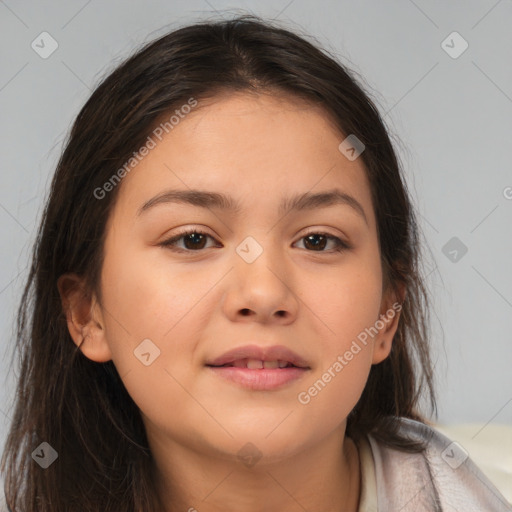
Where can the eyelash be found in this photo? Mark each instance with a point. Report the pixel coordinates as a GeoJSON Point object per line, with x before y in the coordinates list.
{"type": "Point", "coordinates": [340, 244]}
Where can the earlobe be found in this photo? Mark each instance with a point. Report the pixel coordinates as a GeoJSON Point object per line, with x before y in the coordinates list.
{"type": "Point", "coordinates": [84, 318]}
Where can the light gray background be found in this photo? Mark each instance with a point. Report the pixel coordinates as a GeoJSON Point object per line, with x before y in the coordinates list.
{"type": "Point", "coordinates": [452, 116]}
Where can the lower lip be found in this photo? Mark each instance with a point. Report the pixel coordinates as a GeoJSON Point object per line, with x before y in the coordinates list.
{"type": "Point", "coordinates": [264, 379]}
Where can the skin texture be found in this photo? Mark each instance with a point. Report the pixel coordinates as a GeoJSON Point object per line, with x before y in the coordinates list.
{"type": "Point", "coordinates": [196, 305]}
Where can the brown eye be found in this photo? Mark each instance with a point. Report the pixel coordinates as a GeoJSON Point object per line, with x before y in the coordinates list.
{"type": "Point", "coordinates": [317, 242]}
{"type": "Point", "coordinates": [193, 240]}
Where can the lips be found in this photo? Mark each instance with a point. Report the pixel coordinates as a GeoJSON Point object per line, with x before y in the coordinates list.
{"type": "Point", "coordinates": [257, 357]}
{"type": "Point", "coordinates": [260, 368]}
{"type": "Point", "coordinates": [256, 364]}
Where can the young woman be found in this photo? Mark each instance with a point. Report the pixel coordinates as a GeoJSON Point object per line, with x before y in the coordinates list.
{"type": "Point", "coordinates": [225, 309]}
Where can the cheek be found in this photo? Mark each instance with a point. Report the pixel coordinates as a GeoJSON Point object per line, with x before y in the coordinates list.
{"type": "Point", "coordinates": [347, 301]}
{"type": "Point", "coordinates": [144, 301]}
{"type": "Point", "coordinates": [146, 293]}
{"type": "Point", "coordinates": [348, 307]}
{"type": "Point", "coordinates": [141, 301]}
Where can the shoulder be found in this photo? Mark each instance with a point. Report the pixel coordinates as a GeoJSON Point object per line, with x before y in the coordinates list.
{"type": "Point", "coordinates": [442, 478]}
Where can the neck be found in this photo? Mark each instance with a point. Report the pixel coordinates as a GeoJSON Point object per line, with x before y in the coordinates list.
{"type": "Point", "coordinates": [323, 478]}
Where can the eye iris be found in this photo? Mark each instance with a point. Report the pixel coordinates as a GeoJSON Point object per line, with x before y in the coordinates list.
{"type": "Point", "coordinates": [194, 238]}
{"type": "Point", "coordinates": [317, 244]}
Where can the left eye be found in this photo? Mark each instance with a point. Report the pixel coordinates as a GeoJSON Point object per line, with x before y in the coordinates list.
{"type": "Point", "coordinates": [319, 240]}
{"type": "Point", "coordinates": [195, 240]}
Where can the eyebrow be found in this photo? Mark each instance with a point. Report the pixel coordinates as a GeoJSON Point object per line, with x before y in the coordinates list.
{"type": "Point", "coordinates": [217, 200]}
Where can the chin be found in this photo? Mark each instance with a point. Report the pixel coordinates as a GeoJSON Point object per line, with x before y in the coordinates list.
{"type": "Point", "coordinates": [253, 449]}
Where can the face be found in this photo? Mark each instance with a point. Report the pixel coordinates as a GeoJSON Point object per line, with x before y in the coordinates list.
{"type": "Point", "coordinates": [307, 278]}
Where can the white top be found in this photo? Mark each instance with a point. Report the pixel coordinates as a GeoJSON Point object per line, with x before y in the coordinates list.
{"type": "Point", "coordinates": [368, 498]}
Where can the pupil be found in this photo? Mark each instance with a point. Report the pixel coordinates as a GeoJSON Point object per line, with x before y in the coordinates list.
{"type": "Point", "coordinates": [194, 238]}
{"type": "Point", "coordinates": [321, 244]}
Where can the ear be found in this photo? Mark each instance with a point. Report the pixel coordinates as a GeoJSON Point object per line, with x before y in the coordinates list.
{"type": "Point", "coordinates": [84, 318]}
{"type": "Point", "coordinates": [387, 324]}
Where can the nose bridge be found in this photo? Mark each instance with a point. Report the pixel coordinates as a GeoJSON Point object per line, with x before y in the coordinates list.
{"type": "Point", "coordinates": [262, 279]}
{"type": "Point", "coordinates": [261, 256]}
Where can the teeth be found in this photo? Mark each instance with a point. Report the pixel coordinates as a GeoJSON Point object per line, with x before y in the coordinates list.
{"type": "Point", "coordinates": [254, 364]}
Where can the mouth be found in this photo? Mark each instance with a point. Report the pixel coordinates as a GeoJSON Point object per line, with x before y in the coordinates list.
{"type": "Point", "coordinates": [256, 357]}
{"type": "Point", "coordinates": [257, 364]}
{"type": "Point", "coordinates": [259, 369]}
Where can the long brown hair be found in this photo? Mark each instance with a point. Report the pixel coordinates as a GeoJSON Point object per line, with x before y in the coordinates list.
{"type": "Point", "coordinates": [80, 407]}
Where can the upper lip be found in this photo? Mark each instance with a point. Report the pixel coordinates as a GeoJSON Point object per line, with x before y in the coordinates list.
{"type": "Point", "coordinates": [274, 353]}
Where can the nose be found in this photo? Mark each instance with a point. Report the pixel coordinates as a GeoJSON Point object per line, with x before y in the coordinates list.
{"type": "Point", "coordinates": [262, 290]}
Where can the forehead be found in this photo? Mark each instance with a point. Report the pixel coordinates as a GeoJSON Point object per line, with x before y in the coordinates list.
{"type": "Point", "coordinates": [250, 145]}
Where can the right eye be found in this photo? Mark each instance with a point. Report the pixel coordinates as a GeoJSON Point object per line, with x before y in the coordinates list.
{"type": "Point", "coordinates": [193, 239]}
